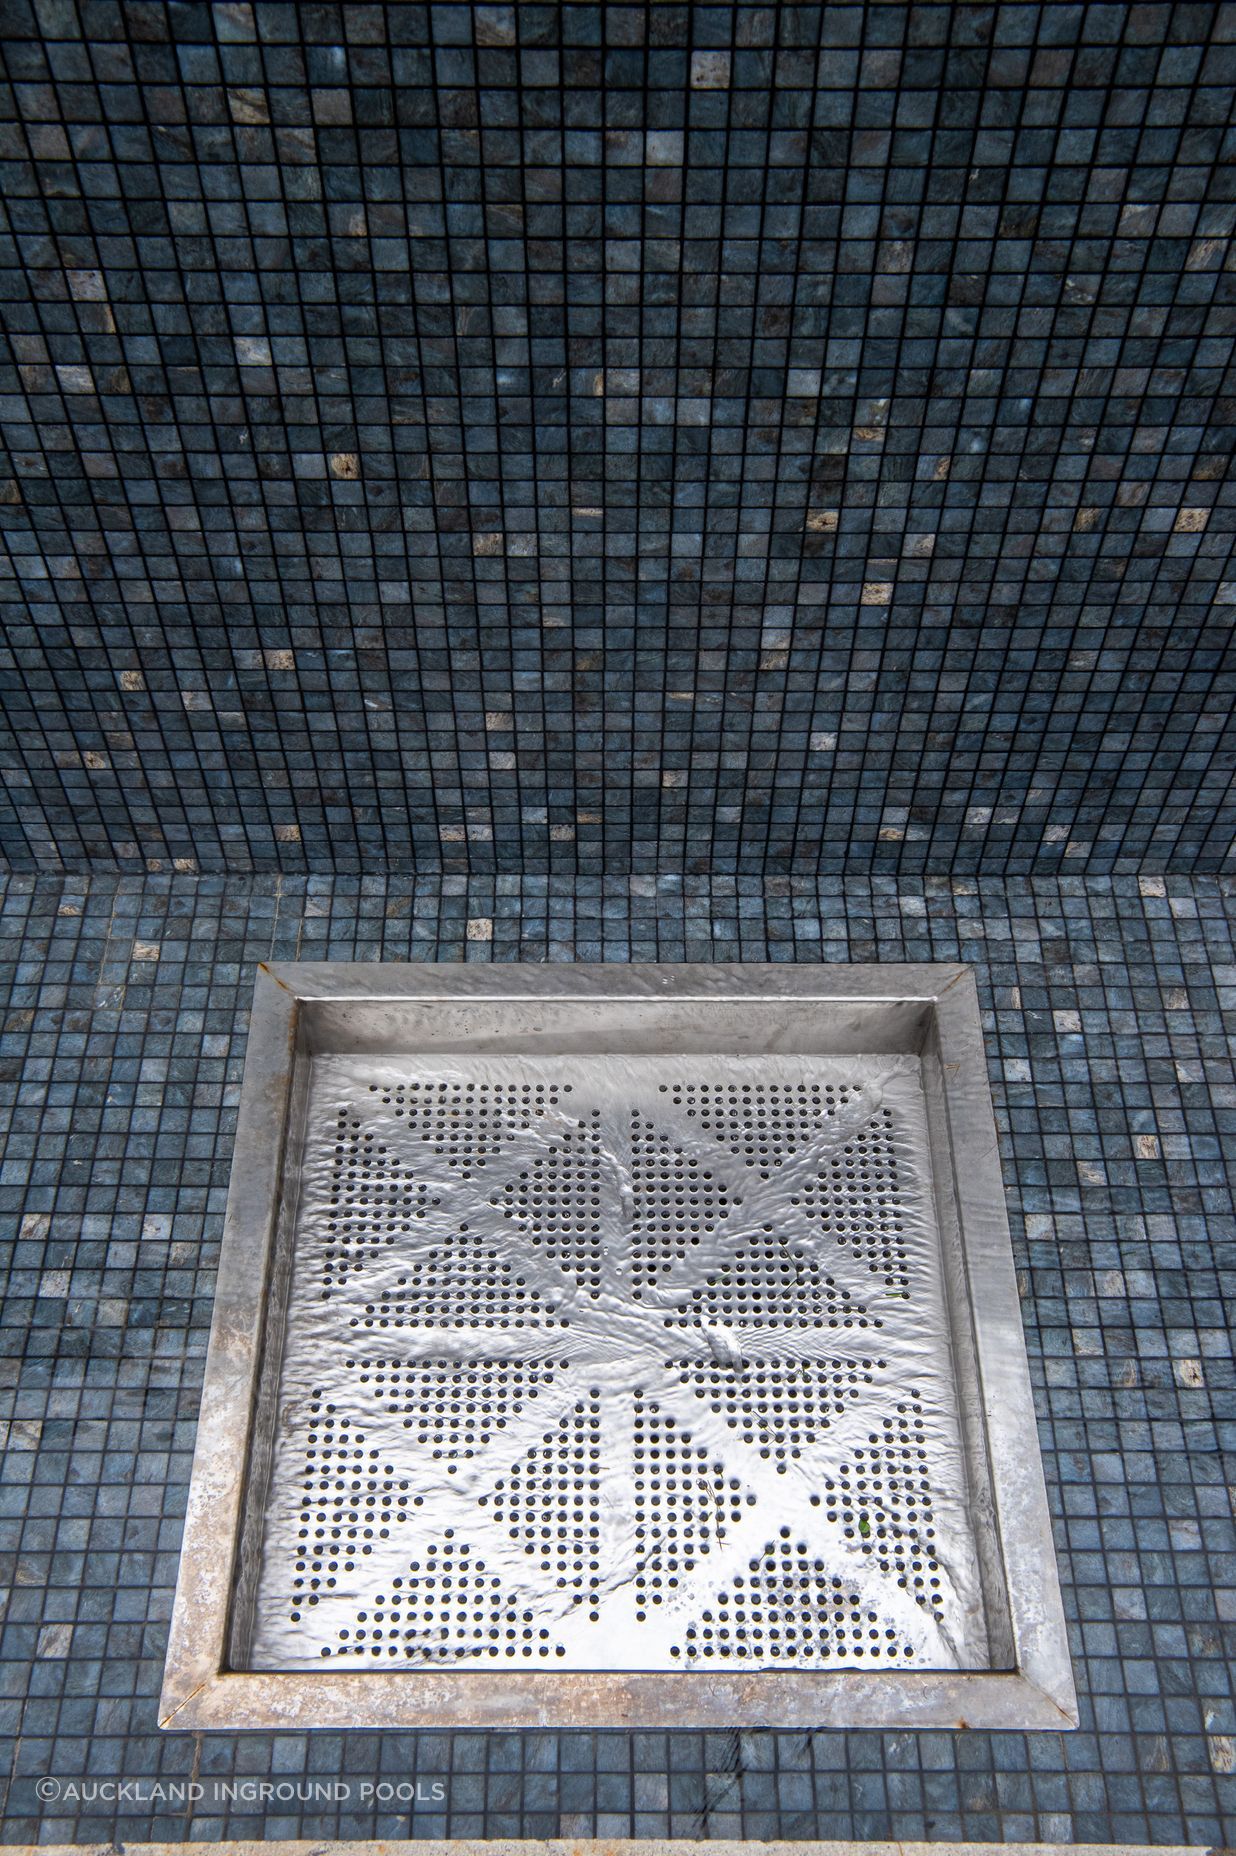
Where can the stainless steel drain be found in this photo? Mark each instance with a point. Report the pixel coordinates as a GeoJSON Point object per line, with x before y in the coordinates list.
{"type": "Point", "coordinates": [616, 1345]}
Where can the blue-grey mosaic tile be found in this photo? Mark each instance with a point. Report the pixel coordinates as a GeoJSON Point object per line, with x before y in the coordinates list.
{"type": "Point", "coordinates": [629, 482]}
{"type": "Point", "coordinates": [603, 439]}
{"type": "Point", "coordinates": [122, 1037]}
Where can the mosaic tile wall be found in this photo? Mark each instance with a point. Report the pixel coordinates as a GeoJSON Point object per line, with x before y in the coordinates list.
{"type": "Point", "coordinates": [617, 438]}
{"type": "Point", "coordinates": [121, 1045]}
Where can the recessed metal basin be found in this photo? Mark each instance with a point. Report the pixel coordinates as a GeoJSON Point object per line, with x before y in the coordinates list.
{"type": "Point", "coordinates": [616, 1346]}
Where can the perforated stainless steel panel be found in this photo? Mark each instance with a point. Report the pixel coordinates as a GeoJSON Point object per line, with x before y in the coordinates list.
{"type": "Point", "coordinates": [616, 1346]}
{"type": "Point", "coordinates": [617, 1363]}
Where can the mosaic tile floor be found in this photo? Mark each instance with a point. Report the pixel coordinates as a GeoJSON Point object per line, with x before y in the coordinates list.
{"type": "Point", "coordinates": [120, 1061]}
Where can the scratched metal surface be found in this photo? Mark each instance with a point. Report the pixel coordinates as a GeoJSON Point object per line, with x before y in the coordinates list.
{"type": "Point", "coordinates": [633, 1363]}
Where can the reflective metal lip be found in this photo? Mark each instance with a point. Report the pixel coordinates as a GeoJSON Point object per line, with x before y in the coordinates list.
{"type": "Point", "coordinates": [616, 1346]}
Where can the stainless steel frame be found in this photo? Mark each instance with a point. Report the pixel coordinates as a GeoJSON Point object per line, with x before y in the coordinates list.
{"type": "Point", "coordinates": [930, 1014]}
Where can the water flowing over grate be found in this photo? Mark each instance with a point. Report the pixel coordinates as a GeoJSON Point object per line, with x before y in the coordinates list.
{"type": "Point", "coordinates": [616, 1363]}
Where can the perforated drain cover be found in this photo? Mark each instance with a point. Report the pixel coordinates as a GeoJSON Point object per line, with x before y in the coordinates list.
{"type": "Point", "coordinates": [635, 1364]}
{"type": "Point", "coordinates": [635, 1361]}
